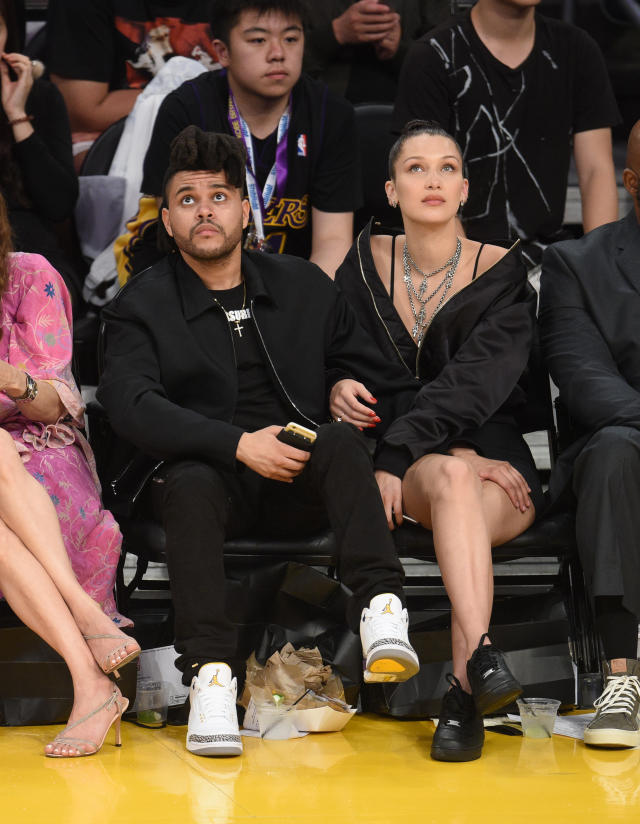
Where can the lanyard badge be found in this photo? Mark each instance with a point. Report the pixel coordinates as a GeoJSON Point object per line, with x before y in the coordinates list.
{"type": "Point", "coordinates": [277, 178]}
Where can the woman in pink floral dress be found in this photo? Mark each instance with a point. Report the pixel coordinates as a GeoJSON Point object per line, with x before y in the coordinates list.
{"type": "Point", "coordinates": [52, 524]}
{"type": "Point", "coordinates": [37, 340]}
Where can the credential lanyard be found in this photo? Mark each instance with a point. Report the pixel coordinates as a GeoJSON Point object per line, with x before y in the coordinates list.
{"type": "Point", "coordinates": [260, 200]}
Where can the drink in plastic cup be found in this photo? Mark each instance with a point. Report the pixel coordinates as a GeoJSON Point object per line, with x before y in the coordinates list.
{"type": "Point", "coordinates": [151, 704]}
{"type": "Point", "coordinates": [276, 722]}
{"type": "Point", "coordinates": [538, 715]}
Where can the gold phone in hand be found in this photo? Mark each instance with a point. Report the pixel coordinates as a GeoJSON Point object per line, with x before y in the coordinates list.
{"type": "Point", "coordinates": [298, 436]}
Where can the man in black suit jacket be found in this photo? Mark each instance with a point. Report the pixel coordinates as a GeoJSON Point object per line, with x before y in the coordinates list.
{"type": "Point", "coordinates": [209, 353]}
{"type": "Point", "coordinates": [590, 328]}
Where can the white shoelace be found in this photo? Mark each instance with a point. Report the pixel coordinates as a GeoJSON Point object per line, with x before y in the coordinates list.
{"type": "Point", "coordinates": [217, 703]}
{"type": "Point", "coordinates": [387, 626]}
{"type": "Point", "coordinates": [620, 695]}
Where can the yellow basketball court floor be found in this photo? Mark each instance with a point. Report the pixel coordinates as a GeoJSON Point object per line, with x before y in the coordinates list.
{"type": "Point", "coordinates": [376, 771]}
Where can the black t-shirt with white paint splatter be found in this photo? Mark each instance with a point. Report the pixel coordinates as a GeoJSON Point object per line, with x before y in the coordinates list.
{"type": "Point", "coordinates": [514, 126]}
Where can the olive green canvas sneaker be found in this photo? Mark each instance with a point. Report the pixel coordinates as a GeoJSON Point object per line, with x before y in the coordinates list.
{"type": "Point", "coordinates": [617, 720]}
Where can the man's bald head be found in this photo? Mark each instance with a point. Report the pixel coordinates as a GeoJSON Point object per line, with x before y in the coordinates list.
{"type": "Point", "coordinates": [633, 148]}
{"type": "Point", "coordinates": [631, 174]}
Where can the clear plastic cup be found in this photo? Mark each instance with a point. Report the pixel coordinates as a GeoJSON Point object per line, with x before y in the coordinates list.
{"type": "Point", "coordinates": [151, 704]}
{"type": "Point", "coordinates": [538, 715]}
{"type": "Point", "coordinates": [276, 722]}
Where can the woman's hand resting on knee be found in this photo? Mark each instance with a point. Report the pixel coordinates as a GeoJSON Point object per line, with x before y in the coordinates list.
{"type": "Point", "coordinates": [345, 405]}
{"type": "Point", "coordinates": [500, 472]}
{"type": "Point", "coordinates": [390, 487]}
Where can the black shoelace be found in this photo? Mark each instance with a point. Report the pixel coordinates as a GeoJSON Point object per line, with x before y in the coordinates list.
{"type": "Point", "coordinates": [455, 705]}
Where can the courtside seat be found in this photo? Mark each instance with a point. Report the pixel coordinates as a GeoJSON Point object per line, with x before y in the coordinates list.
{"type": "Point", "coordinates": [548, 536]}
{"type": "Point", "coordinates": [373, 130]}
{"type": "Point", "coordinates": [551, 536]}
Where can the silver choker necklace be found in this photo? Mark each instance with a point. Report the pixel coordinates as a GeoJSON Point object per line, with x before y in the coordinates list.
{"type": "Point", "coordinates": [417, 296]}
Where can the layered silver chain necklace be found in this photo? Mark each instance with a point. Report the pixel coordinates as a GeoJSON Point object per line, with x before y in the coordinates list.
{"type": "Point", "coordinates": [417, 296]}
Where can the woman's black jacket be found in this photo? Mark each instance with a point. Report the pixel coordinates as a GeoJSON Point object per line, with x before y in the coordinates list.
{"type": "Point", "coordinates": [471, 360]}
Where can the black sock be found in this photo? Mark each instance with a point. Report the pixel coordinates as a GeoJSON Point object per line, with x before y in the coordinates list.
{"type": "Point", "coordinates": [618, 628]}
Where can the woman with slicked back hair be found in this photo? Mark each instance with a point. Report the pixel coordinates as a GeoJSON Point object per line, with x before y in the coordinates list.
{"type": "Point", "coordinates": [459, 315]}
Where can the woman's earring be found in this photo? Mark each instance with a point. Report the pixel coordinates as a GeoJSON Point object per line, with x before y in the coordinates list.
{"type": "Point", "coordinates": [462, 202]}
{"type": "Point", "coordinates": [393, 204]}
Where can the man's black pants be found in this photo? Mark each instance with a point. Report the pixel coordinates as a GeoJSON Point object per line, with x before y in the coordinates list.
{"type": "Point", "coordinates": [606, 482]}
{"type": "Point", "coordinates": [200, 506]}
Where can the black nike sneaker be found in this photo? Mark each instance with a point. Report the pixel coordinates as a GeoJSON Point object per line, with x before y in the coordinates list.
{"type": "Point", "coordinates": [492, 684]}
{"type": "Point", "coordinates": [459, 735]}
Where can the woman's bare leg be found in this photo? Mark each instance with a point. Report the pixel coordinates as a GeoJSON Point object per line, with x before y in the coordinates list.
{"type": "Point", "coordinates": [26, 509]}
{"type": "Point", "coordinates": [467, 517]}
{"type": "Point", "coordinates": [34, 598]}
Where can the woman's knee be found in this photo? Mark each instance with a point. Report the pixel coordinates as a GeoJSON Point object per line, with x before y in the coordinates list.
{"type": "Point", "coordinates": [4, 546]}
{"type": "Point", "coordinates": [454, 478]}
{"type": "Point", "coordinates": [9, 458]}
{"type": "Point", "coordinates": [7, 445]}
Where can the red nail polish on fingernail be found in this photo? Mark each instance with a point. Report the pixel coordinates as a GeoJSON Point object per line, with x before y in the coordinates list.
{"type": "Point", "coordinates": [373, 400]}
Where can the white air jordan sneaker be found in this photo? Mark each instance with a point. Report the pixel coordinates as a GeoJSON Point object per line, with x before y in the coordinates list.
{"type": "Point", "coordinates": [213, 718]}
{"type": "Point", "coordinates": [384, 633]}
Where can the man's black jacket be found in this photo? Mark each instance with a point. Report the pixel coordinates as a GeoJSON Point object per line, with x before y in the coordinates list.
{"type": "Point", "coordinates": [169, 383]}
{"type": "Point", "coordinates": [590, 331]}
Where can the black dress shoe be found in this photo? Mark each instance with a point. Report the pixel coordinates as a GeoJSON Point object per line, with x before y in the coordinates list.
{"type": "Point", "coordinates": [492, 684]}
{"type": "Point", "coordinates": [459, 735]}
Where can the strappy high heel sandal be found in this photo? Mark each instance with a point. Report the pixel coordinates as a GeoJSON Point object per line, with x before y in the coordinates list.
{"type": "Point", "coordinates": [105, 664]}
{"type": "Point", "coordinates": [65, 740]}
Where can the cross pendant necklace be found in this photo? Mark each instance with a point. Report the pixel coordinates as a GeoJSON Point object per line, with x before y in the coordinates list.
{"type": "Point", "coordinates": [238, 328]}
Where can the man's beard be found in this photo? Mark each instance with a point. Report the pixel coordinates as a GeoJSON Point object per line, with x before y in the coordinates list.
{"type": "Point", "coordinates": [227, 246]}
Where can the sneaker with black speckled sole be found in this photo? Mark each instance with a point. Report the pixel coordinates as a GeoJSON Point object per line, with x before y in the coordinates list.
{"type": "Point", "coordinates": [384, 633]}
{"type": "Point", "coordinates": [213, 718]}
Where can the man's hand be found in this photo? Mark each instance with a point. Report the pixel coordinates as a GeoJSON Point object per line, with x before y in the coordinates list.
{"type": "Point", "coordinates": [269, 457]}
{"type": "Point", "coordinates": [366, 21]}
{"type": "Point", "coordinates": [501, 473]}
{"type": "Point", "coordinates": [386, 48]}
{"type": "Point", "coordinates": [390, 487]}
{"type": "Point", "coordinates": [344, 403]}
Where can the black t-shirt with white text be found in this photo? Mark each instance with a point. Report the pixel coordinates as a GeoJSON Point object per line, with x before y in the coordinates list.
{"type": "Point", "coordinates": [259, 403]}
{"type": "Point", "coordinates": [514, 126]}
{"type": "Point", "coordinates": [125, 42]}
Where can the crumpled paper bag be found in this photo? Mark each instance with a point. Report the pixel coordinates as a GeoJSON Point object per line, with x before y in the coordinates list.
{"type": "Point", "coordinates": [288, 675]}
